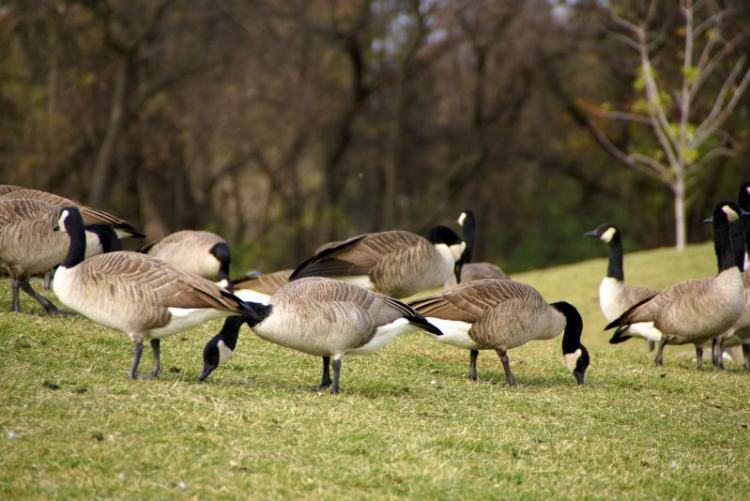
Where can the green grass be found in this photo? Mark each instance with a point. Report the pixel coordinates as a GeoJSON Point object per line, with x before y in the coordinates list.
{"type": "Point", "coordinates": [406, 425]}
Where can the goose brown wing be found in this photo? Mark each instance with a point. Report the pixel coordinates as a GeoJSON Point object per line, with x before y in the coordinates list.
{"type": "Point", "coordinates": [468, 302]}
{"type": "Point", "coordinates": [266, 283]}
{"type": "Point", "coordinates": [7, 188]}
{"type": "Point", "coordinates": [479, 271]}
{"type": "Point", "coordinates": [13, 211]}
{"type": "Point", "coordinates": [90, 215]}
{"type": "Point", "coordinates": [636, 293]}
{"type": "Point", "coordinates": [337, 259]}
{"type": "Point", "coordinates": [148, 276]}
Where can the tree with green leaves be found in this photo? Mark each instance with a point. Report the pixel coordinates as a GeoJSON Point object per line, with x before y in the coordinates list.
{"type": "Point", "coordinates": [690, 78]}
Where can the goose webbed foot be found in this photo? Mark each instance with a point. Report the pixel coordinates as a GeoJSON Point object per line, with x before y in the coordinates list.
{"type": "Point", "coordinates": [506, 367]}
{"type": "Point", "coordinates": [472, 375]}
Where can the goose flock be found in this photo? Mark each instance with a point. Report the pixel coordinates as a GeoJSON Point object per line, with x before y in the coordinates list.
{"type": "Point", "coordinates": [355, 296]}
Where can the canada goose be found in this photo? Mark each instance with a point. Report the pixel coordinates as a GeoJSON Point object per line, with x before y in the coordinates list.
{"type": "Point", "coordinates": [90, 216]}
{"type": "Point", "coordinates": [259, 287]}
{"type": "Point", "coordinates": [394, 263]}
{"type": "Point", "coordinates": [323, 317]}
{"type": "Point", "coordinates": [29, 246]}
{"type": "Point", "coordinates": [201, 253]}
{"type": "Point", "coordinates": [697, 310]}
{"type": "Point", "coordinates": [472, 271]}
{"type": "Point", "coordinates": [7, 188]}
{"type": "Point", "coordinates": [739, 334]}
{"type": "Point", "coordinates": [138, 294]}
{"type": "Point", "coordinates": [500, 315]}
{"type": "Point", "coordinates": [614, 295]}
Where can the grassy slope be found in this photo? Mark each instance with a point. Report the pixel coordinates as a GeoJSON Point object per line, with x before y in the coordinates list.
{"type": "Point", "coordinates": [406, 425]}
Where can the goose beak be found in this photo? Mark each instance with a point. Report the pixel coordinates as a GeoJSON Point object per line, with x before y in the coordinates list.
{"type": "Point", "coordinates": [579, 377]}
{"type": "Point", "coordinates": [56, 228]}
{"type": "Point", "coordinates": [590, 234]}
{"type": "Point", "coordinates": [708, 220]}
{"type": "Point", "coordinates": [207, 369]}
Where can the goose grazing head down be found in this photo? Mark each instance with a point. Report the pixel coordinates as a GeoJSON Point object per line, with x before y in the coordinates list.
{"type": "Point", "coordinates": [499, 315]}
{"type": "Point", "coordinates": [322, 317]}
{"type": "Point", "coordinates": [143, 296]}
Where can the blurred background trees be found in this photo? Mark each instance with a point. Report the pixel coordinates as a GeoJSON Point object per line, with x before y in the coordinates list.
{"type": "Point", "coordinates": [283, 124]}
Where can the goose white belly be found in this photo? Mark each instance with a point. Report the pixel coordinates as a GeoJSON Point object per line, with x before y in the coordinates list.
{"type": "Point", "coordinates": [182, 319]}
{"type": "Point", "coordinates": [384, 336]}
{"type": "Point", "coordinates": [646, 330]}
{"type": "Point", "coordinates": [455, 333]}
{"type": "Point", "coordinates": [252, 296]}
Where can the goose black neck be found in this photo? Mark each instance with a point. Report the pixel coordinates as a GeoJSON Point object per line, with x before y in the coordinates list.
{"type": "Point", "coordinates": [77, 234]}
{"type": "Point", "coordinates": [573, 327]}
{"type": "Point", "coordinates": [231, 330]}
{"type": "Point", "coordinates": [723, 244]}
{"type": "Point", "coordinates": [737, 234]}
{"type": "Point", "coordinates": [614, 269]}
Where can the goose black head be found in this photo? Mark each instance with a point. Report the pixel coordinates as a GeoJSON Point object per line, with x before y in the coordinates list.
{"type": "Point", "coordinates": [467, 221]}
{"type": "Point", "coordinates": [219, 348]}
{"type": "Point", "coordinates": [442, 235]}
{"type": "Point", "coordinates": [104, 239]}
{"type": "Point", "coordinates": [605, 232]}
{"type": "Point", "coordinates": [69, 217]}
{"type": "Point", "coordinates": [743, 200]}
{"type": "Point", "coordinates": [224, 256]}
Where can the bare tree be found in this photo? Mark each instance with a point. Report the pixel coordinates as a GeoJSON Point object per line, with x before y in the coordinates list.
{"type": "Point", "coordinates": [685, 114]}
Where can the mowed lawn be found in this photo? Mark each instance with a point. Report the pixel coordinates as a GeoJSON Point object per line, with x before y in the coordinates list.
{"type": "Point", "coordinates": [407, 423]}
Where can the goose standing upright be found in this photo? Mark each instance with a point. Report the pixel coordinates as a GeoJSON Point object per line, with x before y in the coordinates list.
{"type": "Point", "coordinates": [322, 317]}
{"type": "Point", "coordinates": [201, 253]}
{"type": "Point", "coordinates": [614, 295]}
{"type": "Point", "coordinates": [500, 315]}
{"type": "Point", "coordinates": [698, 310]}
{"type": "Point", "coordinates": [29, 246]}
{"type": "Point", "coordinates": [740, 331]}
{"type": "Point", "coordinates": [143, 296]}
{"type": "Point", "coordinates": [395, 263]}
{"type": "Point", "coordinates": [472, 271]}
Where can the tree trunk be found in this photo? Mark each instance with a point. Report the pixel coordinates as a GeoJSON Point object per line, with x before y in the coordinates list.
{"type": "Point", "coordinates": [103, 165]}
{"type": "Point", "coordinates": [678, 188]}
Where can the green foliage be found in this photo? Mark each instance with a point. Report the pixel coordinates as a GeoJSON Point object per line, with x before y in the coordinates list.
{"type": "Point", "coordinates": [406, 425]}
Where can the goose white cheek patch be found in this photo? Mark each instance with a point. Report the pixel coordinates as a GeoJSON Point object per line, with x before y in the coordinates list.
{"type": "Point", "coordinates": [731, 214]}
{"type": "Point", "coordinates": [571, 359]}
{"type": "Point", "coordinates": [225, 353]}
{"type": "Point", "coordinates": [608, 235]}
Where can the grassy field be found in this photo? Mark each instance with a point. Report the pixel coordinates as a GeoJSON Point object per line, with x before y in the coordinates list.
{"type": "Point", "coordinates": [406, 425]}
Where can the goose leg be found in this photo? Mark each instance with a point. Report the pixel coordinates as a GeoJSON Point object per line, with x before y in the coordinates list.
{"type": "Point", "coordinates": [651, 345]}
{"type": "Point", "coordinates": [506, 367]}
{"type": "Point", "coordinates": [746, 353]}
{"type": "Point", "coordinates": [15, 304]}
{"type": "Point", "coordinates": [658, 360]}
{"type": "Point", "coordinates": [47, 280]}
{"type": "Point", "coordinates": [155, 345]}
{"type": "Point", "coordinates": [325, 379]}
{"type": "Point", "coordinates": [336, 375]}
{"type": "Point", "coordinates": [717, 352]}
{"type": "Point", "coordinates": [46, 303]}
{"type": "Point", "coordinates": [137, 352]}
{"type": "Point", "coordinates": [473, 365]}
{"type": "Point", "coordinates": [699, 356]}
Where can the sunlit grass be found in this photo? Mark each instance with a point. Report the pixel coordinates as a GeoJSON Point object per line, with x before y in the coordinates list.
{"type": "Point", "coordinates": [406, 425]}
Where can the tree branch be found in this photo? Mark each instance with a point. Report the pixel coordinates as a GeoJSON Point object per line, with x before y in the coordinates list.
{"type": "Point", "coordinates": [716, 152]}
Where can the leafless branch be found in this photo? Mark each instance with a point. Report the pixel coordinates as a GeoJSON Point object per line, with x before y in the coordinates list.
{"type": "Point", "coordinates": [716, 152]}
{"type": "Point", "coordinates": [705, 72]}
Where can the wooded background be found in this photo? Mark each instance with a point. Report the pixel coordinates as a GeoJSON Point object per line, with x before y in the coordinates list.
{"type": "Point", "coordinates": [285, 124]}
